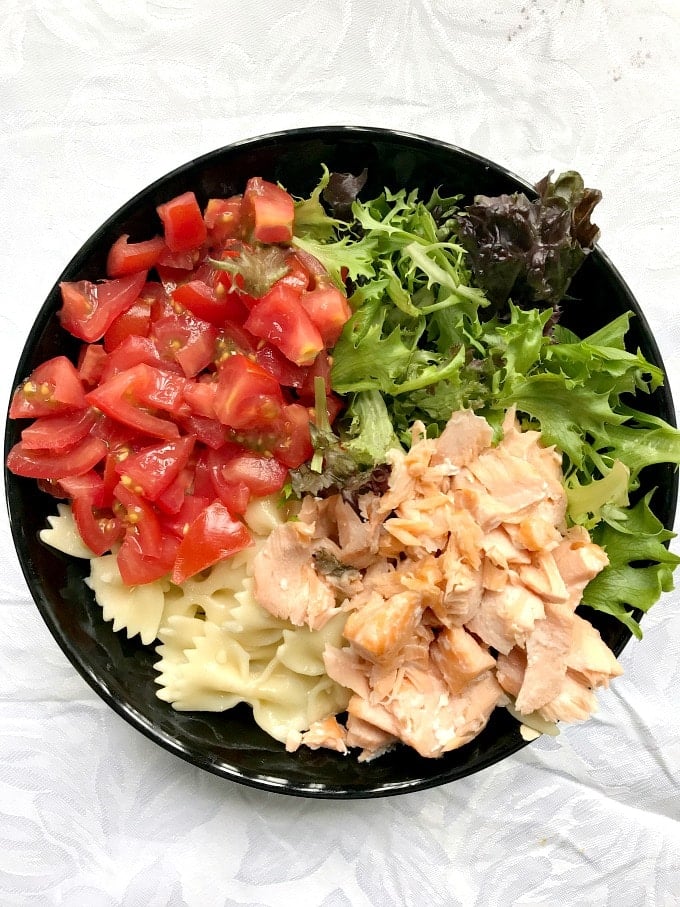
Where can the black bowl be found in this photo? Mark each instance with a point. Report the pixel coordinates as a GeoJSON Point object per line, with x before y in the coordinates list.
{"type": "Point", "coordinates": [121, 671]}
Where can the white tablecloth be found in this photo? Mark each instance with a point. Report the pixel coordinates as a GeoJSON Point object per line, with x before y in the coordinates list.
{"type": "Point", "coordinates": [99, 98]}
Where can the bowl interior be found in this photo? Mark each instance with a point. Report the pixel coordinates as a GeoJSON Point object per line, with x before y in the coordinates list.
{"type": "Point", "coordinates": [121, 670]}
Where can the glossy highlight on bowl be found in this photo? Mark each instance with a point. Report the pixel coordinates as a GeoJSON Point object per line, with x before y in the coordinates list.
{"type": "Point", "coordinates": [121, 671]}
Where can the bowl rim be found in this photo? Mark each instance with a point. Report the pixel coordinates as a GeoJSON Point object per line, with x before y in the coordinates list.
{"type": "Point", "coordinates": [126, 709]}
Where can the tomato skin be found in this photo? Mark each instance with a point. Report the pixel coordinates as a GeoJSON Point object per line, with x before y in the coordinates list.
{"type": "Point", "coordinates": [53, 387]}
{"type": "Point", "coordinates": [267, 211]}
{"type": "Point", "coordinates": [128, 258]}
{"type": "Point", "coordinates": [211, 537]}
{"type": "Point", "coordinates": [151, 470]}
{"type": "Point", "coordinates": [179, 521]}
{"type": "Point", "coordinates": [58, 432]}
{"type": "Point", "coordinates": [89, 486]}
{"type": "Point", "coordinates": [49, 464]}
{"type": "Point", "coordinates": [328, 311]}
{"type": "Point", "coordinates": [279, 318]}
{"type": "Point", "coordinates": [88, 309]}
{"type": "Point", "coordinates": [183, 224]}
{"type": "Point", "coordinates": [171, 499]}
{"type": "Point", "coordinates": [134, 351]}
{"type": "Point", "coordinates": [246, 397]}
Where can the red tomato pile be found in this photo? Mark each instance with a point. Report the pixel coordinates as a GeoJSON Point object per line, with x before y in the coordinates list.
{"type": "Point", "coordinates": [190, 396]}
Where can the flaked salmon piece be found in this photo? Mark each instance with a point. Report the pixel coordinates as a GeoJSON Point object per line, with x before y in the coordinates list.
{"type": "Point", "coordinates": [327, 733]}
{"type": "Point", "coordinates": [385, 677]}
{"type": "Point", "coordinates": [423, 577]}
{"type": "Point", "coordinates": [579, 560]}
{"type": "Point", "coordinates": [514, 484]}
{"type": "Point", "coordinates": [510, 670]}
{"type": "Point", "coordinates": [543, 577]}
{"type": "Point", "coordinates": [537, 532]}
{"type": "Point", "coordinates": [590, 659]}
{"type": "Point", "coordinates": [402, 485]}
{"type": "Point", "coordinates": [528, 445]}
{"type": "Point", "coordinates": [468, 536]}
{"type": "Point", "coordinates": [376, 715]}
{"type": "Point", "coordinates": [382, 626]}
{"type": "Point", "coordinates": [286, 583]}
{"type": "Point", "coordinates": [434, 722]}
{"type": "Point", "coordinates": [463, 588]}
{"type": "Point", "coordinates": [345, 581]}
{"type": "Point", "coordinates": [347, 668]}
{"type": "Point", "coordinates": [464, 438]}
{"type": "Point", "coordinates": [505, 619]}
{"type": "Point", "coordinates": [493, 578]}
{"type": "Point", "coordinates": [499, 548]}
{"type": "Point", "coordinates": [547, 648]}
{"type": "Point", "coordinates": [459, 658]}
{"type": "Point", "coordinates": [372, 741]}
{"type": "Point", "coordinates": [575, 702]}
{"type": "Point", "coordinates": [357, 541]}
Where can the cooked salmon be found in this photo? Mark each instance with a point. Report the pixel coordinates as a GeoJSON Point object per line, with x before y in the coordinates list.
{"type": "Point", "coordinates": [459, 585]}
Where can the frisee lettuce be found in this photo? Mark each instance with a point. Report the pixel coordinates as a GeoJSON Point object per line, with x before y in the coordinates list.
{"type": "Point", "coordinates": [424, 341]}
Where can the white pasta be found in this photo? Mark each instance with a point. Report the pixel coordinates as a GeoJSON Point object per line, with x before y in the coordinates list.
{"type": "Point", "coordinates": [218, 646]}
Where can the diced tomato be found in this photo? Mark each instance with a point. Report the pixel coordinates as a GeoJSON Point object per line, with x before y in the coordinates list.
{"type": "Point", "coordinates": [200, 397]}
{"type": "Point", "coordinates": [139, 518]}
{"type": "Point", "coordinates": [267, 212]}
{"type": "Point", "coordinates": [135, 322]}
{"type": "Point", "coordinates": [188, 340]}
{"type": "Point", "coordinates": [261, 475]}
{"type": "Point", "coordinates": [275, 364]}
{"type": "Point", "coordinates": [91, 362]}
{"type": "Point", "coordinates": [178, 261]}
{"type": "Point", "coordinates": [99, 529]}
{"type": "Point", "coordinates": [328, 311]}
{"type": "Point", "coordinates": [320, 368]}
{"type": "Point", "coordinates": [179, 521]}
{"type": "Point", "coordinates": [211, 537]}
{"type": "Point", "coordinates": [223, 219]}
{"type": "Point", "coordinates": [88, 309]}
{"type": "Point", "coordinates": [172, 498]}
{"type": "Point", "coordinates": [212, 305]}
{"type": "Point", "coordinates": [208, 431]}
{"type": "Point", "coordinates": [126, 396]}
{"type": "Point", "coordinates": [128, 258]}
{"type": "Point", "coordinates": [334, 406]}
{"type": "Point", "coordinates": [150, 471]}
{"type": "Point", "coordinates": [89, 485]}
{"type": "Point", "coordinates": [247, 397]}
{"type": "Point", "coordinates": [52, 464]}
{"type": "Point", "coordinates": [138, 567]}
{"type": "Point", "coordinates": [53, 387]}
{"type": "Point", "coordinates": [182, 223]}
{"type": "Point", "coordinates": [58, 432]}
{"type": "Point", "coordinates": [294, 444]}
{"type": "Point", "coordinates": [279, 318]}
{"type": "Point", "coordinates": [209, 479]}
{"type": "Point", "coordinates": [133, 351]}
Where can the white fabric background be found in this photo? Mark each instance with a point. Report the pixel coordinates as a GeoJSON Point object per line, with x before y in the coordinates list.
{"type": "Point", "coordinates": [99, 98]}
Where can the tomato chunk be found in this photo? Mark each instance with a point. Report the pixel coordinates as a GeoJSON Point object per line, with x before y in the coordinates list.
{"type": "Point", "coordinates": [99, 529]}
{"type": "Point", "coordinates": [135, 322]}
{"type": "Point", "coordinates": [261, 475]}
{"type": "Point", "coordinates": [125, 398]}
{"type": "Point", "coordinates": [294, 444]}
{"type": "Point", "coordinates": [246, 397]}
{"type": "Point", "coordinates": [223, 219]}
{"type": "Point", "coordinates": [279, 318]}
{"type": "Point", "coordinates": [211, 537]}
{"type": "Point", "coordinates": [150, 471]}
{"type": "Point", "coordinates": [128, 258]}
{"type": "Point", "coordinates": [267, 211]}
{"type": "Point", "coordinates": [183, 224]}
{"type": "Point", "coordinates": [53, 387]}
{"type": "Point", "coordinates": [88, 309]}
{"type": "Point", "coordinates": [137, 567]}
{"type": "Point", "coordinates": [214, 305]}
{"type": "Point", "coordinates": [188, 340]}
{"type": "Point", "coordinates": [58, 432]}
{"type": "Point", "coordinates": [328, 311]}
{"type": "Point", "coordinates": [50, 464]}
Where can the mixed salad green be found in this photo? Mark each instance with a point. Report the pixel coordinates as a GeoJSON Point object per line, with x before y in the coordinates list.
{"type": "Point", "coordinates": [458, 307]}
